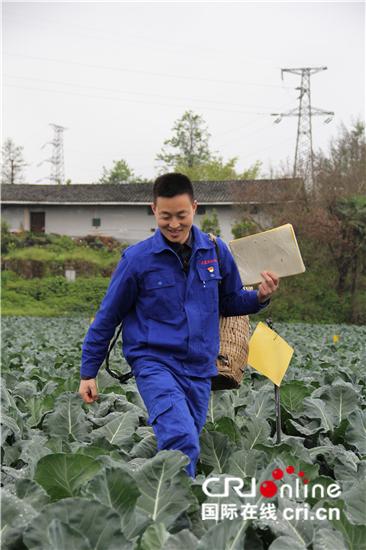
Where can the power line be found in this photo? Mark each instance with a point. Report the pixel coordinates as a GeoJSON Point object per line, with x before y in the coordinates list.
{"type": "Point", "coordinates": [151, 73]}
{"type": "Point", "coordinates": [134, 93]}
{"type": "Point", "coordinates": [109, 98]}
{"type": "Point", "coordinates": [304, 157]}
{"type": "Point", "coordinates": [44, 22]}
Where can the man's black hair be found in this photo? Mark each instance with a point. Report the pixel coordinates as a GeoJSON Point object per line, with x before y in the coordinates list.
{"type": "Point", "coordinates": [172, 184]}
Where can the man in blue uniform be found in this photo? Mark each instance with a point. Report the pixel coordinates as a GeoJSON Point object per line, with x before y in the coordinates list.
{"type": "Point", "coordinates": [169, 291]}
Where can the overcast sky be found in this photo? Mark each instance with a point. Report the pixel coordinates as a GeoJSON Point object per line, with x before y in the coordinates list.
{"type": "Point", "coordinates": [118, 75]}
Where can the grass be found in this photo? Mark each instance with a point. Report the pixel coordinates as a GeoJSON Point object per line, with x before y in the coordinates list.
{"type": "Point", "coordinates": [52, 296]}
{"type": "Point", "coordinates": [101, 258]}
{"type": "Point", "coordinates": [34, 283]}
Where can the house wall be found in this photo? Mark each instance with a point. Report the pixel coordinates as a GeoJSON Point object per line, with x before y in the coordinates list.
{"type": "Point", "coordinates": [125, 223]}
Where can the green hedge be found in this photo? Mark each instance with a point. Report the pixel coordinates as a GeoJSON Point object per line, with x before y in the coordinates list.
{"type": "Point", "coordinates": [51, 296]}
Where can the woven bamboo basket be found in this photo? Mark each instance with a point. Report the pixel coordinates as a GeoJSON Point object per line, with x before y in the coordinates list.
{"type": "Point", "coordinates": [233, 354]}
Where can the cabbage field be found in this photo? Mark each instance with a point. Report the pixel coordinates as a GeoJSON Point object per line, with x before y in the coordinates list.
{"type": "Point", "coordinates": [89, 477]}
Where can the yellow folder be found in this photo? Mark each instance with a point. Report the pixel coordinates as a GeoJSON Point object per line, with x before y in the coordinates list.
{"type": "Point", "coordinates": [269, 354]}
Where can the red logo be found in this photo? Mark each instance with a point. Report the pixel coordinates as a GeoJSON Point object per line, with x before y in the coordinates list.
{"type": "Point", "coordinates": [204, 262]}
{"type": "Point", "coordinates": [268, 488]}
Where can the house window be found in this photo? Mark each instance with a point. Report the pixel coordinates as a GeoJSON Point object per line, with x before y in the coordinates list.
{"type": "Point", "coordinates": [37, 222]}
{"type": "Point", "coordinates": [96, 222]}
{"type": "Point", "coordinates": [201, 209]}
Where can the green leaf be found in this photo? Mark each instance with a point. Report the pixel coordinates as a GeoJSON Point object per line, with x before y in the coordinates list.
{"type": "Point", "coordinates": [33, 450]}
{"type": "Point", "coordinates": [68, 419]}
{"type": "Point", "coordinates": [340, 400]}
{"type": "Point", "coordinates": [286, 543]}
{"type": "Point", "coordinates": [221, 404]}
{"type": "Point", "coordinates": [164, 487]}
{"type": "Point", "coordinates": [315, 408]}
{"type": "Point", "coordinates": [354, 535]}
{"type": "Point", "coordinates": [146, 447]}
{"type": "Point", "coordinates": [90, 450]}
{"type": "Point", "coordinates": [344, 463]}
{"type": "Point", "coordinates": [227, 426]}
{"type": "Point", "coordinates": [62, 536]}
{"type": "Point", "coordinates": [14, 511]}
{"type": "Point", "coordinates": [87, 519]}
{"type": "Point", "coordinates": [290, 445]}
{"type": "Point", "coordinates": [293, 394]}
{"type": "Point", "coordinates": [255, 431]}
{"type": "Point", "coordinates": [356, 432]}
{"type": "Point", "coordinates": [58, 445]}
{"type": "Point", "coordinates": [9, 426]}
{"type": "Point", "coordinates": [312, 427]}
{"type": "Point", "coordinates": [15, 514]}
{"type": "Point", "coordinates": [300, 530]}
{"type": "Point", "coordinates": [245, 463]}
{"type": "Point", "coordinates": [116, 488]}
{"type": "Point", "coordinates": [184, 539]}
{"type": "Point", "coordinates": [327, 538]}
{"type": "Point", "coordinates": [355, 503]}
{"type": "Point", "coordinates": [38, 408]}
{"type": "Point", "coordinates": [261, 404]}
{"type": "Point", "coordinates": [154, 537]}
{"type": "Point", "coordinates": [228, 535]}
{"type": "Point", "coordinates": [63, 475]}
{"type": "Point", "coordinates": [216, 449]}
{"type": "Point", "coordinates": [31, 492]}
{"type": "Point", "coordinates": [118, 428]}
{"type": "Point", "coordinates": [25, 389]}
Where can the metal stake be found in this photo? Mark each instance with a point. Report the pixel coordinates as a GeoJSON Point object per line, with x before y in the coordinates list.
{"type": "Point", "coordinates": [278, 413]}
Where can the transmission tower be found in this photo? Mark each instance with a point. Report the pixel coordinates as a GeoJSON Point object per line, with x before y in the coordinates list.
{"type": "Point", "coordinates": [57, 158]}
{"type": "Point", "coordinates": [303, 163]}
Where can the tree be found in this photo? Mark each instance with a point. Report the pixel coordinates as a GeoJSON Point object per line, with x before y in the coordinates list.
{"type": "Point", "coordinates": [340, 179]}
{"type": "Point", "coordinates": [12, 162]}
{"type": "Point", "coordinates": [334, 214]}
{"type": "Point", "coordinates": [189, 143]}
{"type": "Point", "coordinates": [342, 172]}
{"type": "Point", "coordinates": [210, 223]}
{"type": "Point", "coordinates": [189, 154]}
{"type": "Point", "coordinates": [216, 169]}
{"type": "Point", "coordinates": [351, 212]}
{"type": "Point", "coordinates": [119, 173]}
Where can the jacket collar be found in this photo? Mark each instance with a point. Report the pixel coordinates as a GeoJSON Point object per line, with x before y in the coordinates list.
{"type": "Point", "coordinates": [200, 240]}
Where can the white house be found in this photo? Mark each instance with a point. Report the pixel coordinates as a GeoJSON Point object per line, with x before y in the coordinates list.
{"type": "Point", "coordinates": [123, 210]}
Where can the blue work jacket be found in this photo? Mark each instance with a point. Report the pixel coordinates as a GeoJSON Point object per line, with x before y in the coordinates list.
{"type": "Point", "coordinates": [169, 317]}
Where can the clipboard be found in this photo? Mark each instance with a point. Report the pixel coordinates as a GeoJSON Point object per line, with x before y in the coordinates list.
{"type": "Point", "coordinates": [273, 250]}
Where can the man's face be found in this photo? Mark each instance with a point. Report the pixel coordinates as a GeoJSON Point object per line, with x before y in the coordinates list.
{"type": "Point", "coordinates": [174, 216]}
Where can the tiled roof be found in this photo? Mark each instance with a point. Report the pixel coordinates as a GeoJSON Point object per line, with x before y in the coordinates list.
{"type": "Point", "coordinates": [206, 192]}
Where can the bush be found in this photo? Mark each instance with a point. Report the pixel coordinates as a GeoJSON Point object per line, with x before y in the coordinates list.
{"type": "Point", "coordinates": [210, 223]}
{"type": "Point", "coordinates": [244, 227]}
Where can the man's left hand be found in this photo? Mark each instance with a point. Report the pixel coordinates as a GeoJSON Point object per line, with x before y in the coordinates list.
{"type": "Point", "coordinates": [268, 286]}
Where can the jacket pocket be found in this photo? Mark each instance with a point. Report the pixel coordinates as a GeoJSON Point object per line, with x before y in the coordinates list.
{"type": "Point", "coordinates": [209, 279]}
{"type": "Point", "coordinates": [159, 408]}
{"type": "Point", "coordinates": [159, 279]}
{"type": "Point", "coordinates": [160, 298]}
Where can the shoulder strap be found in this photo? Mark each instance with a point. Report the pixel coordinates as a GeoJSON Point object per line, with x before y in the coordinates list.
{"type": "Point", "coordinates": [214, 239]}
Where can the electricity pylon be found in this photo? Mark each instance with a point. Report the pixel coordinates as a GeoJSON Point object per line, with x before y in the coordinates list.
{"type": "Point", "coordinates": [304, 142]}
{"type": "Point", "coordinates": [57, 158]}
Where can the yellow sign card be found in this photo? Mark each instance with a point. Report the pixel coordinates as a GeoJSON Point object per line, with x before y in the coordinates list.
{"type": "Point", "coordinates": [269, 354]}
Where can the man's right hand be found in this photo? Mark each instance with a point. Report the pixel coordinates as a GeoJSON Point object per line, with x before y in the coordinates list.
{"type": "Point", "coordinates": [88, 390]}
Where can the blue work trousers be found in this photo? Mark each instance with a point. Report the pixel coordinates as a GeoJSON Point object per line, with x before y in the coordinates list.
{"type": "Point", "coordinates": [177, 408]}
